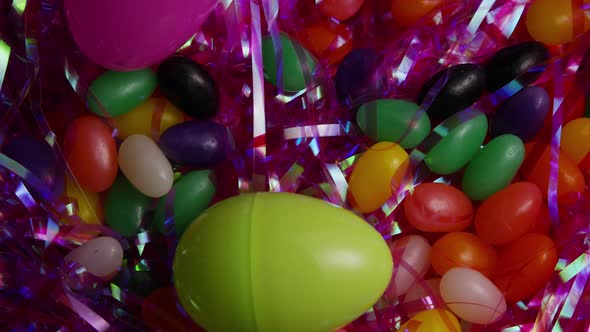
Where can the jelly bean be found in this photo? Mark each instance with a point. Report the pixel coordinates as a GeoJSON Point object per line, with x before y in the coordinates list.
{"type": "Point", "coordinates": [538, 167]}
{"type": "Point", "coordinates": [192, 195]}
{"type": "Point", "coordinates": [91, 153]}
{"type": "Point", "coordinates": [370, 184]}
{"type": "Point", "coordinates": [392, 119]}
{"type": "Point", "coordinates": [407, 13]}
{"type": "Point", "coordinates": [125, 207]}
{"type": "Point", "coordinates": [328, 40]}
{"type": "Point", "coordinates": [554, 22]}
{"type": "Point", "coordinates": [39, 159]}
{"type": "Point", "coordinates": [141, 283]}
{"type": "Point", "coordinates": [542, 223]}
{"type": "Point", "coordinates": [293, 73]}
{"type": "Point", "coordinates": [525, 266]}
{"type": "Point", "coordinates": [101, 256]}
{"type": "Point", "coordinates": [459, 146]}
{"type": "Point", "coordinates": [88, 203]}
{"type": "Point", "coordinates": [461, 86]}
{"type": "Point", "coordinates": [159, 312]}
{"type": "Point", "coordinates": [357, 80]}
{"type": "Point", "coordinates": [509, 214]}
{"type": "Point", "coordinates": [259, 250]}
{"type": "Point", "coordinates": [493, 167]}
{"type": "Point", "coordinates": [513, 61]}
{"type": "Point", "coordinates": [472, 296]}
{"type": "Point", "coordinates": [120, 92]}
{"type": "Point", "coordinates": [155, 114]}
{"type": "Point", "coordinates": [522, 115]}
{"type": "Point", "coordinates": [411, 256]}
{"type": "Point", "coordinates": [575, 140]}
{"type": "Point", "coordinates": [146, 167]}
{"type": "Point", "coordinates": [460, 249]}
{"type": "Point", "coordinates": [195, 143]}
{"type": "Point", "coordinates": [340, 9]}
{"type": "Point", "coordinates": [415, 295]}
{"type": "Point", "coordinates": [434, 320]}
{"type": "Point", "coordinates": [438, 207]}
{"type": "Point", "coordinates": [188, 86]}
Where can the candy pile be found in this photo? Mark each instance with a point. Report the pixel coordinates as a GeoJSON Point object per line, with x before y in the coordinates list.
{"type": "Point", "coordinates": [292, 165]}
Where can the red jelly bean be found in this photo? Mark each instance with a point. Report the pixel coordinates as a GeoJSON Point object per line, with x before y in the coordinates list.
{"type": "Point", "coordinates": [438, 207]}
{"type": "Point", "coordinates": [508, 214]}
{"type": "Point", "coordinates": [159, 312]}
{"type": "Point", "coordinates": [91, 153]}
{"type": "Point", "coordinates": [340, 9]}
{"type": "Point", "coordinates": [525, 266]}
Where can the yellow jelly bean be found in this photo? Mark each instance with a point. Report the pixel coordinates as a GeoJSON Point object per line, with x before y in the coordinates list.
{"type": "Point", "coordinates": [435, 320]}
{"type": "Point", "coordinates": [139, 120]}
{"type": "Point", "coordinates": [575, 139]}
{"type": "Point", "coordinates": [370, 183]}
{"type": "Point", "coordinates": [89, 207]}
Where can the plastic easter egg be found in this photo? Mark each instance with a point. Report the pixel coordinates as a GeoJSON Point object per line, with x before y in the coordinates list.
{"type": "Point", "coordinates": [91, 153]}
{"type": "Point", "coordinates": [513, 61]}
{"type": "Point", "coordinates": [192, 195]}
{"type": "Point", "coordinates": [153, 116]}
{"type": "Point", "coordinates": [327, 40]}
{"type": "Point", "coordinates": [406, 13]}
{"type": "Point", "coordinates": [509, 214]}
{"type": "Point", "coordinates": [538, 166]}
{"type": "Point", "coordinates": [125, 207]}
{"type": "Point", "coordinates": [146, 167]}
{"type": "Point", "coordinates": [195, 143]}
{"type": "Point", "coordinates": [472, 296]}
{"type": "Point", "coordinates": [525, 266]}
{"type": "Point", "coordinates": [394, 120]}
{"type": "Point", "coordinates": [575, 140]}
{"type": "Point", "coordinates": [493, 167]}
{"type": "Point", "coordinates": [188, 86]}
{"type": "Point", "coordinates": [461, 249]}
{"type": "Point", "coordinates": [377, 170]}
{"type": "Point", "coordinates": [250, 263]}
{"type": "Point", "coordinates": [39, 159]}
{"type": "Point", "coordinates": [159, 312]}
{"type": "Point", "coordinates": [411, 255]}
{"type": "Point", "coordinates": [292, 76]}
{"type": "Point", "coordinates": [120, 92]}
{"type": "Point", "coordinates": [438, 207]}
{"type": "Point", "coordinates": [459, 146]}
{"type": "Point", "coordinates": [435, 320]}
{"type": "Point", "coordinates": [554, 22]}
{"type": "Point", "coordinates": [357, 79]}
{"type": "Point", "coordinates": [101, 256]}
{"type": "Point", "coordinates": [88, 203]}
{"type": "Point", "coordinates": [461, 86]}
{"type": "Point", "coordinates": [111, 32]}
{"type": "Point", "coordinates": [417, 294]}
{"type": "Point", "coordinates": [340, 9]}
{"type": "Point", "coordinates": [522, 115]}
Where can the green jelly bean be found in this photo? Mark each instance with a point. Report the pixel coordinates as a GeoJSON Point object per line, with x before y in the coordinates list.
{"type": "Point", "coordinates": [459, 146]}
{"type": "Point", "coordinates": [494, 167]}
{"type": "Point", "coordinates": [192, 195]}
{"type": "Point", "coordinates": [292, 78]}
{"type": "Point", "coordinates": [388, 120]}
{"type": "Point", "coordinates": [120, 92]}
{"type": "Point", "coordinates": [125, 207]}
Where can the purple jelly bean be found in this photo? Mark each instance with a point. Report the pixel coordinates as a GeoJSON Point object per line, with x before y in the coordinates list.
{"type": "Point", "coordinates": [521, 115]}
{"type": "Point", "coordinates": [357, 80]}
{"type": "Point", "coordinates": [196, 143]}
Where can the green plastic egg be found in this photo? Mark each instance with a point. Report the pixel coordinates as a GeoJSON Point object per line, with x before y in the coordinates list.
{"type": "Point", "coordinates": [192, 195]}
{"type": "Point", "coordinates": [125, 207]}
{"type": "Point", "coordinates": [459, 146]}
{"type": "Point", "coordinates": [389, 120]}
{"type": "Point", "coordinates": [292, 77]}
{"type": "Point", "coordinates": [494, 167]}
{"type": "Point", "coordinates": [272, 262]}
{"type": "Point", "coordinates": [120, 92]}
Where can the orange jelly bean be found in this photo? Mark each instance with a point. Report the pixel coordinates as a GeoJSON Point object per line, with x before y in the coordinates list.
{"type": "Point", "coordinates": [575, 142]}
{"type": "Point", "coordinates": [508, 214]}
{"type": "Point", "coordinates": [461, 249]}
{"type": "Point", "coordinates": [375, 174]}
{"type": "Point", "coordinates": [537, 168]}
{"type": "Point", "coordinates": [328, 40]}
{"type": "Point", "coordinates": [407, 13]}
{"type": "Point", "coordinates": [525, 266]}
{"type": "Point", "coordinates": [340, 9]}
{"type": "Point", "coordinates": [555, 21]}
